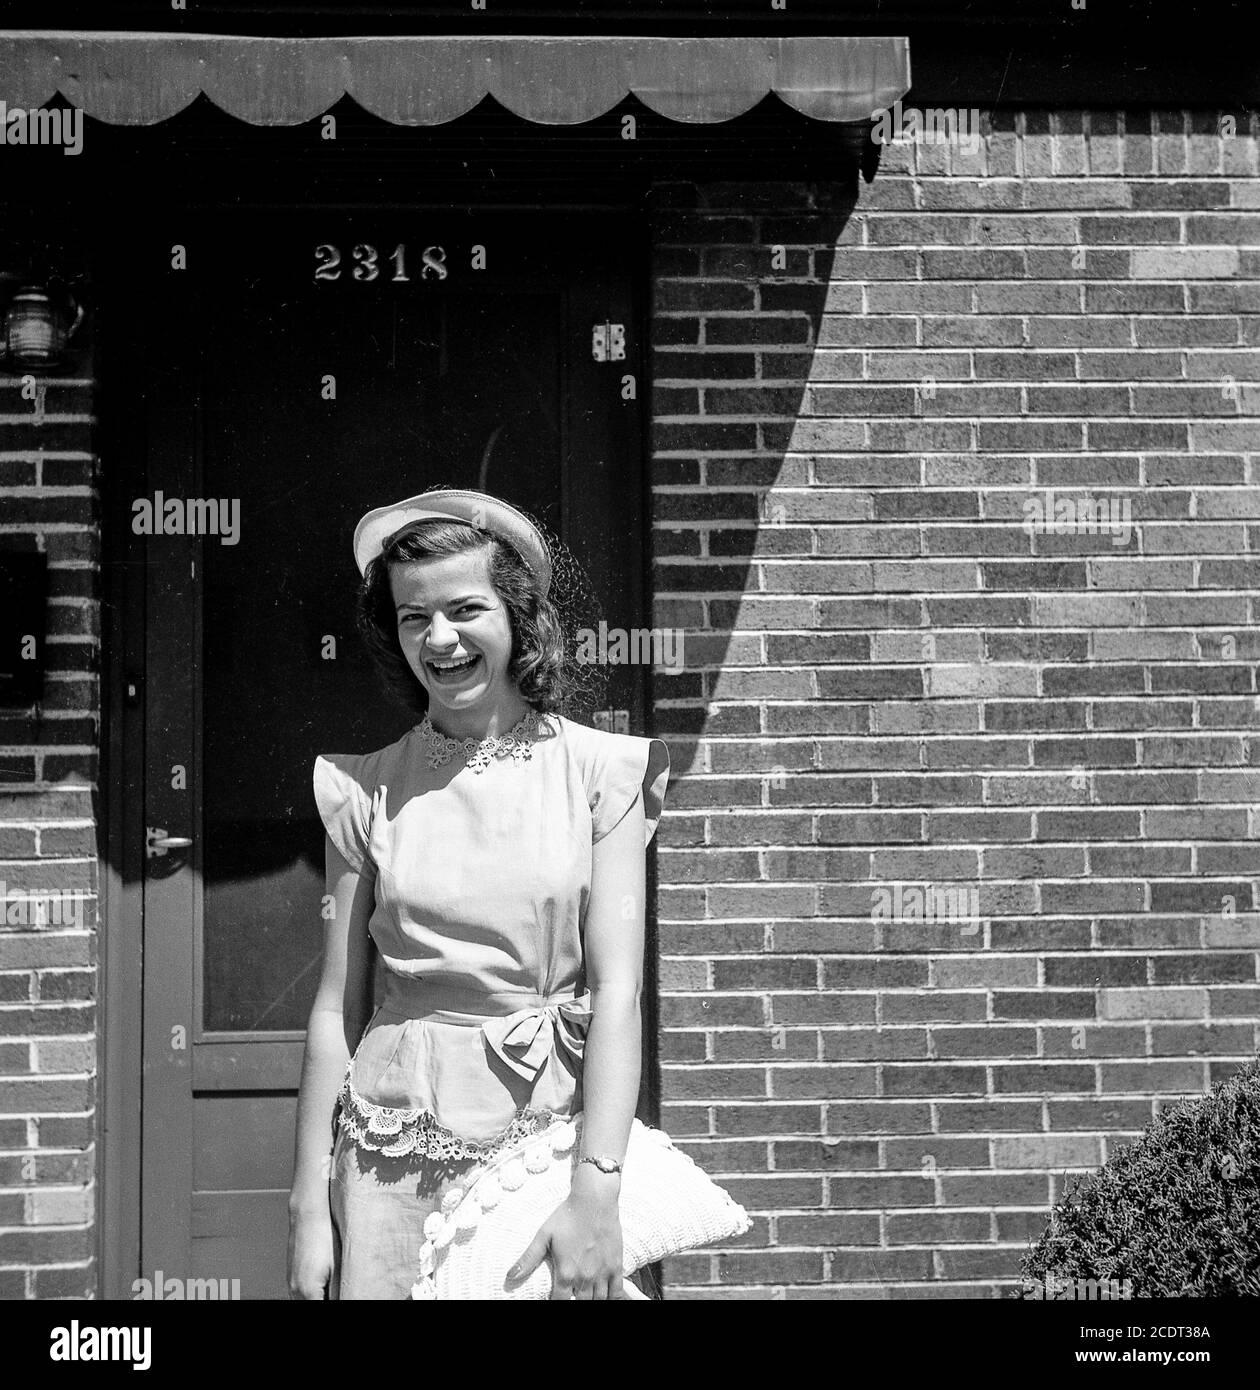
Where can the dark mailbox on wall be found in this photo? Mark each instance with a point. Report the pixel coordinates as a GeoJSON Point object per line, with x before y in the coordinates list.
{"type": "Point", "coordinates": [23, 604]}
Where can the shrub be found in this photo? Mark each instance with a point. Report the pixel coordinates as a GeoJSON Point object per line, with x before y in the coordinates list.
{"type": "Point", "coordinates": [1177, 1213]}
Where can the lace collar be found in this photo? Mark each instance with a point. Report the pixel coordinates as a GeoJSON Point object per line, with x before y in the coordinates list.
{"type": "Point", "coordinates": [517, 743]}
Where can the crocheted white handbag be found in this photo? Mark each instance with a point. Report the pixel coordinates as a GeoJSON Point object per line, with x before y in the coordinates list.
{"type": "Point", "coordinates": [667, 1205]}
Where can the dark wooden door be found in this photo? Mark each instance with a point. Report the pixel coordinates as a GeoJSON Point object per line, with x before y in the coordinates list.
{"type": "Point", "coordinates": [285, 405]}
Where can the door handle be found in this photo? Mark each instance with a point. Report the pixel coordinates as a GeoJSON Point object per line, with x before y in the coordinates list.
{"type": "Point", "coordinates": [157, 841]}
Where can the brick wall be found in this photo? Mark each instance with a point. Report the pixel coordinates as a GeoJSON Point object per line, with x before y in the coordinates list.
{"type": "Point", "coordinates": [891, 679]}
{"type": "Point", "coordinates": [48, 855]}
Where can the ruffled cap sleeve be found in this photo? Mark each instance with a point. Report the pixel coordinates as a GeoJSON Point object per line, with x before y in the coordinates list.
{"type": "Point", "coordinates": [622, 765]}
{"type": "Point", "coordinates": [345, 806]}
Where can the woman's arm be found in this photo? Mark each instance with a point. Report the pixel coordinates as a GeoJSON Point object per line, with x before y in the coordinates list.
{"type": "Point", "coordinates": [584, 1233]}
{"type": "Point", "coordinates": [338, 1016]}
{"type": "Point", "coordinates": [614, 974]}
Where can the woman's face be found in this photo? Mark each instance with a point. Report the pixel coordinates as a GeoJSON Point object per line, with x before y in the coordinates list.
{"type": "Point", "coordinates": [449, 614]}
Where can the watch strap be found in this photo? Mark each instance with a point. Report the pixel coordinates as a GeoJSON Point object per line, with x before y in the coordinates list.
{"type": "Point", "coordinates": [605, 1165]}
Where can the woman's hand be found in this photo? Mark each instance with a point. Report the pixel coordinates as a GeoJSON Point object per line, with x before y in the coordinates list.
{"type": "Point", "coordinates": [583, 1237]}
{"type": "Point", "coordinates": [310, 1253]}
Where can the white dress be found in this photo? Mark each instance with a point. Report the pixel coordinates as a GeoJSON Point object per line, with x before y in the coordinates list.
{"type": "Point", "coordinates": [481, 877]}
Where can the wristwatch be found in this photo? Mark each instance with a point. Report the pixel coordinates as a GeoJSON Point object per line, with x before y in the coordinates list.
{"type": "Point", "coordinates": [605, 1165]}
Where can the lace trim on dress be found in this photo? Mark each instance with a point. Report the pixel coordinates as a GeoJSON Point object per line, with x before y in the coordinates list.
{"type": "Point", "coordinates": [517, 743]}
{"type": "Point", "coordinates": [397, 1132]}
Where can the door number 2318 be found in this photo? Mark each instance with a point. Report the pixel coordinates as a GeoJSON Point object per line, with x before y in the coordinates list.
{"type": "Point", "coordinates": [365, 265]}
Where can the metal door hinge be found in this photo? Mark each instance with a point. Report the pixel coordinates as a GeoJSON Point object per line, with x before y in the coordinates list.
{"type": "Point", "coordinates": [608, 342]}
{"type": "Point", "coordinates": [615, 721]}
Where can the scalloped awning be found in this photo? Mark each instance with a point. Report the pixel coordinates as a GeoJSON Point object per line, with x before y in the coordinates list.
{"type": "Point", "coordinates": [139, 79]}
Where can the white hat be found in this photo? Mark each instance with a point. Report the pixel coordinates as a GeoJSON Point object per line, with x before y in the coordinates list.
{"type": "Point", "coordinates": [478, 509]}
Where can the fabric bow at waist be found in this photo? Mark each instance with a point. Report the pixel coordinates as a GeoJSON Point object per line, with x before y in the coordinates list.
{"type": "Point", "coordinates": [525, 1039]}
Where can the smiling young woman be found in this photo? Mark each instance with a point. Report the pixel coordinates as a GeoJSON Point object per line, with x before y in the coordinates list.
{"type": "Point", "coordinates": [494, 857]}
